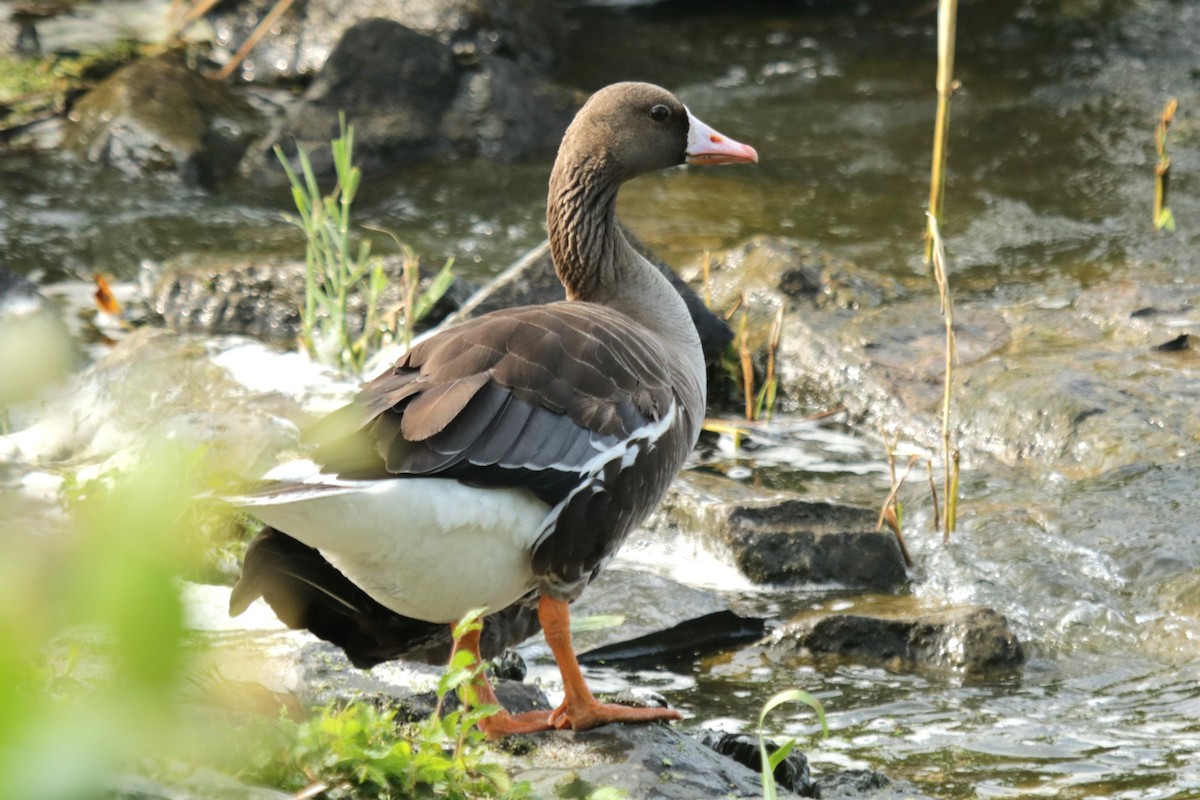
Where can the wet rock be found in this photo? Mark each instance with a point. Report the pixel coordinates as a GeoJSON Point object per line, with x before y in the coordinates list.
{"type": "Point", "coordinates": [781, 538]}
{"type": "Point", "coordinates": [529, 32]}
{"type": "Point", "coordinates": [264, 298]}
{"type": "Point", "coordinates": [715, 632]}
{"type": "Point", "coordinates": [646, 761]}
{"type": "Point", "coordinates": [158, 117]}
{"type": "Point", "coordinates": [409, 99]}
{"type": "Point", "coordinates": [773, 272]}
{"type": "Point", "coordinates": [666, 624]}
{"type": "Point", "coordinates": [885, 365]}
{"type": "Point", "coordinates": [1025, 392]}
{"type": "Point", "coordinates": [972, 641]}
{"type": "Point", "coordinates": [792, 773]}
{"type": "Point", "coordinates": [234, 397]}
{"type": "Point", "coordinates": [1083, 389]}
{"type": "Point", "coordinates": [531, 280]}
{"type": "Point", "coordinates": [255, 652]}
{"type": "Point", "coordinates": [861, 784]}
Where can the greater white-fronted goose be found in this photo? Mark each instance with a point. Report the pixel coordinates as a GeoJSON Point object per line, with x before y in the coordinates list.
{"type": "Point", "coordinates": [502, 462]}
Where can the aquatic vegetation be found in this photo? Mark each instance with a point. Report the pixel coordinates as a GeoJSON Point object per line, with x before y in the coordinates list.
{"type": "Point", "coordinates": [770, 760]}
{"type": "Point", "coordinates": [935, 250]}
{"type": "Point", "coordinates": [1163, 218]}
{"type": "Point", "coordinates": [334, 272]}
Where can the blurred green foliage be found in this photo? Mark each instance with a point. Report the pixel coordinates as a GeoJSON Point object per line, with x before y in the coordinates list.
{"type": "Point", "coordinates": [92, 628]}
{"type": "Point", "coordinates": [99, 677]}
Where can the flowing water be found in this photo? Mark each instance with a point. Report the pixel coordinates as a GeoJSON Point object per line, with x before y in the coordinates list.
{"type": "Point", "coordinates": [1049, 193]}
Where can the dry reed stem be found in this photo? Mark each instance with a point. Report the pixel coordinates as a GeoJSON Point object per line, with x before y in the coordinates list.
{"type": "Point", "coordinates": [1162, 169]}
{"type": "Point", "coordinates": [772, 348]}
{"type": "Point", "coordinates": [746, 362]}
{"type": "Point", "coordinates": [937, 517]}
{"type": "Point", "coordinates": [947, 23]}
{"type": "Point", "coordinates": [888, 513]}
{"type": "Point", "coordinates": [935, 249]}
{"type": "Point", "coordinates": [706, 269]}
{"type": "Point", "coordinates": [949, 455]}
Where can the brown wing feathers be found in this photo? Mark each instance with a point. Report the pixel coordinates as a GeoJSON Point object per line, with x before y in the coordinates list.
{"type": "Point", "coordinates": [542, 388]}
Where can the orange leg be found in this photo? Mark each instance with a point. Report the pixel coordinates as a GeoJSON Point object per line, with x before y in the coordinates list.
{"type": "Point", "coordinates": [580, 710]}
{"type": "Point", "coordinates": [501, 723]}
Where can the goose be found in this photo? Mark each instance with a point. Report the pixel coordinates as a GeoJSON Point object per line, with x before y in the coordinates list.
{"type": "Point", "coordinates": [501, 463]}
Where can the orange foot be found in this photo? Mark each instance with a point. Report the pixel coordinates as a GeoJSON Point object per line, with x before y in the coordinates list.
{"type": "Point", "coordinates": [503, 724]}
{"type": "Point", "coordinates": [586, 715]}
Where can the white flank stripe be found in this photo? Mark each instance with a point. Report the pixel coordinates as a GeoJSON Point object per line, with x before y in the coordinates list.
{"type": "Point", "coordinates": [625, 449]}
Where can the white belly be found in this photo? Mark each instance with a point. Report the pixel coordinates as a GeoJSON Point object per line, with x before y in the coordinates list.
{"type": "Point", "coordinates": [427, 548]}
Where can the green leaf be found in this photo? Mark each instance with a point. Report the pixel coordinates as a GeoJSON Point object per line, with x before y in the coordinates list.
{"type": "Point", "coordinates": [1166, 220]}
{"type": "Point", "coordinates": [434, 292]}
{"type": "Point", "coordinates": [768, 762]}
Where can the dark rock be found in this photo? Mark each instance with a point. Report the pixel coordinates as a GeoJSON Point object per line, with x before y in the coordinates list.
{"type": "Point", "coordinates": [648, 762]}
{"type": "Point", "coordinates": [973, 641]}
{"type": "Point", "coordinates": [156, 116]}
{"type": "Point", "coordinates": [263, 299]}
{"type": "Point", "coordinates": [791, 773]}
{"type": "Point", "coordinates": [782, 538]}
{"type": "Point", "coordinates": [662, 604]}
{"type": "Point", "coordinates": [501, 112]}
{"type": "Point", "coordinates": [1181, 342]}
{"type": "Point", "coordinates": [409, 99]}
{"type": "Point", "coordinates": [510, 666]}
{"type": "Point", "coordinates": [532, 280]}
{"type": "Point", "coordinates": [528, 31]}
{"type": "Point", "coordinates": [717, 631]}
{"type": "Point", "coordinates": [861, 784]}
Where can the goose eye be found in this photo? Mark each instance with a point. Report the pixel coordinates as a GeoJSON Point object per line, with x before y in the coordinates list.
{"type": "Point", "coordinates": [659, 113]}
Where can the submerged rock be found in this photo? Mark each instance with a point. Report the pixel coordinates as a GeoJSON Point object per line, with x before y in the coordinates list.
{"type": "Point", "coordinates": [409, 99]}
{"type": "Point", "coordinates": [972, 641]}
{"type": "Point", "coordinates": [791, 773]}
{"type": "Point", "coordinates": [158, 117]}
{"type": "Point", "coordinates": [861, 784]}
{"type": "Point", "coordinates": [781, 538]}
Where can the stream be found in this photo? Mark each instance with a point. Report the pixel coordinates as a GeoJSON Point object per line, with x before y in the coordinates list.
{"type": "Point", "coordinates": [1048, 194]}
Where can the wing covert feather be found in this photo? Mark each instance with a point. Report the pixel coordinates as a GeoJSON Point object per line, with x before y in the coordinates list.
{"type": "Point", "coordinates": [515, 391]}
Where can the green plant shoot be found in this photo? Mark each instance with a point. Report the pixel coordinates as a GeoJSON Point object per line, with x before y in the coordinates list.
{"type": "Point", "coordinates": [772, 760]}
